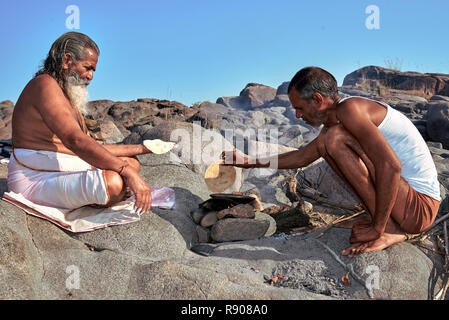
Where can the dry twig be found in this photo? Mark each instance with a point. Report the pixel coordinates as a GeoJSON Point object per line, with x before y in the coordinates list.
{"type": "Point", "coordinates": [438, 221]}
{"type": "Point", "coordinates": [444, 289]}
{"type": "Point", "coordinates": [319, 231]}
{"type": "Point", "coordinates": [442, 293]}
{"type": "Point", "coordinates": [446, 247]}
{"type": "Point", "coordinates": [316, 197]}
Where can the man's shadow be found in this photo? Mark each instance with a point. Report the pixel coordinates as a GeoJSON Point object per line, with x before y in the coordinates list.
{"type": "Point", "coordinates": [180, 217]}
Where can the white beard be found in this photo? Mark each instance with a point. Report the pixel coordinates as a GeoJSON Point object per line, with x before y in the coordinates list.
{"type": "Point", "coordinates": [78, 94]}
{"type": "Point", "coordinates": [78, 97]}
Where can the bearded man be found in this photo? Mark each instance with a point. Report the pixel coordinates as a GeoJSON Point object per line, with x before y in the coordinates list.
{"type": "Point", "coordinates": [55, 162]}
{"type": "Point", "coordinates": [375, 150]}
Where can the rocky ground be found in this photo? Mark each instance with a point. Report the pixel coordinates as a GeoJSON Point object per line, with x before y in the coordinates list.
{"type": "Point", "coordinates": [162, 257]}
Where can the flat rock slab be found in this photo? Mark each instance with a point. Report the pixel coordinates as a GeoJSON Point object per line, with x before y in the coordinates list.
{"type": "Point", "coordinates": [245, 211]}
{"type": "Point", "coordinates": [233, 229]}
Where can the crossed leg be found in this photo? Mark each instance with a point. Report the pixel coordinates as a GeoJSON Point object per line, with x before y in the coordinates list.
{"type": "Point", "coordinates": [346, 157]}
{"type": "Point", "coordinates": [115, 185]}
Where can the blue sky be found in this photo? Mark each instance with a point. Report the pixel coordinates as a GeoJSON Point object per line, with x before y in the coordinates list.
{"type": "Point", "coordinates": [199, 50]}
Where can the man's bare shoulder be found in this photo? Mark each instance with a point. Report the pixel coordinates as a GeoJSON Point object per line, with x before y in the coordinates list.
{"type": "Point", "coordinates": [352, 102]}
{"type": "Point", "coordinates": [44, 82]}
{"type": "Point", "coordinates": [44, 92]}
{"type": "Point", "coordinates": [350, 107]}
{"type": "Point", "coordinates": [360, 103]}
{"type": "Point", "coordinates": [357, 108]}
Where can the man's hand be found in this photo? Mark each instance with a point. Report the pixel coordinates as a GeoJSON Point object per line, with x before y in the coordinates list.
{"type": "Point", "coordinates": [363, 231]}
{"type": "Point", "coordinates": [139, 187]}
{"type": "Point", "coordinates": [232, 158]}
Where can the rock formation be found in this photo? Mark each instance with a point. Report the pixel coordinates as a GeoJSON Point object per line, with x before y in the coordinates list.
{"type": "Point", "coordinates": [377, 78]}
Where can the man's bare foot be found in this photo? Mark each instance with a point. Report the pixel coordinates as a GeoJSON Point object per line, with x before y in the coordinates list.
{"type": "Point", "coordinates": [386, 240]}
{"type": "Point", "coordinates": [393, 234]}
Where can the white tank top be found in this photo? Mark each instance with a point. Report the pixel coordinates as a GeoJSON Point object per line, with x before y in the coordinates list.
{"type": "Point", "coordinates": [418, 168]}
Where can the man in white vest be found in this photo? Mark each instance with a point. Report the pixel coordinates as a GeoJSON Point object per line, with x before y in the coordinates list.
{"type": "Point", "coordinates": [374, 149]}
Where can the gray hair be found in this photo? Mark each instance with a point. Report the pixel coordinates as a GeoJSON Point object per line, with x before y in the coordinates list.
{"type": "Point", "coordinates": [74, 43]}
{"type": "Point", "coordinates": [309, 80]}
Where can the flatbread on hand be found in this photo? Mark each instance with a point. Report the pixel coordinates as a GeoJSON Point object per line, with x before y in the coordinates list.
{"type": "Point", "coordinates": [218, 178]}
{"type": "Point", "coordinates": [158, 146]}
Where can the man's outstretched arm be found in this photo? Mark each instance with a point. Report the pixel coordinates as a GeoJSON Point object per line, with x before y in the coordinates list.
{"type": "Point", "coordinates": [126, 150]}
{"type": "Point", "coordinates": [288, 160]}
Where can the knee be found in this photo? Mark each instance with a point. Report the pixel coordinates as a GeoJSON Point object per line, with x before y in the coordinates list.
{"type": "Point", "coordinates": [114, 185]}
{"type": "Point", "coordinates": [133, 162]}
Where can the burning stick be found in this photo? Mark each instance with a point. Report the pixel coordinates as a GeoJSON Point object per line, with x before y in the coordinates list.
{"type": "Point", "coordinates": [275, 279]}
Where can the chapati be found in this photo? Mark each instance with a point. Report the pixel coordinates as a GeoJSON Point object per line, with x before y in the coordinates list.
{"type": "Point", "coordinates": [218, 178]}
{"type": "Point", "coordinates": [158, 146]}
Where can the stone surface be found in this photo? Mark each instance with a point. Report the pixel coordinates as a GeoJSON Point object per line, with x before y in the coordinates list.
{"type": "Point", "coordinates": [253, 95]}
{"type": "Point", "coordinates": [309, 259]}
{"type": "Point", "coordinates": [263, 216]}
{"type": "Point", "coordinates": [197, 147]}
{"type": "Point", "coordinates": [6, 110]}
{"type": "Point", "coordinates": [203, 234]}
{"type": "Point", "coordinates": [234, 229]}
{"type": "Point", "coordinates": [424, 85]}
{"type": "Point", "coordinates": [209, 219]}
{"type": "Point", "coordinates": [245, 211]}
{"type": "Point", "coordinates": [438, 122]}
{"type": "Point", "coordinates": [105, 131]}
{"type": "Point", "coordinates": [197, 215]}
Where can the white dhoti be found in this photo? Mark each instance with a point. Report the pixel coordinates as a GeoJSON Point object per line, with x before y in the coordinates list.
{"type": "Point", "coordinates": [59, 187]}
{"type": "Point", "coordinates": [75, 185]}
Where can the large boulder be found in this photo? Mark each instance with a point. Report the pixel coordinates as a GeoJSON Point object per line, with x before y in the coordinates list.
{"type": "Point", "coordinates": [169, 170]}
{"type": "Point", "coordinates": [440, 157]}
{"type": "Point", "coordinates": [378, 78]}
{"type": "Point", "coordinates": [438, 121]}
{"type": "Point", "coordinates": [411, 105]}
{"type": "Point", "coordinates": [140, 112]}
{"type": "Point", "coordinates": [211, 115]}
{"type": "Point", "coordinates": [98, 109]}
{"type": "Point", "coordinates": [253, 95]}
{"type": "Point", "coordinates": [283, 88]}
{"type": "Point", "coordinates": [6, 110]}
{"type": "Point", "coordinates": [105, 131]}
{"type": "Point", "coordinates": [197, 147]}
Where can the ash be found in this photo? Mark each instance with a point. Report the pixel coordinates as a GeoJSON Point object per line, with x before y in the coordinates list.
{"type": "Point", "coordinates": [312, 275]}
